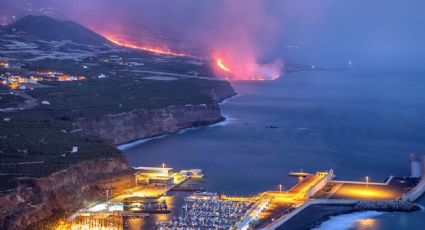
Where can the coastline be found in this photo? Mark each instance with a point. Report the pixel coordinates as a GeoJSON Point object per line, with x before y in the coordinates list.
{"type": "Point", "coordinates": [227, 119]}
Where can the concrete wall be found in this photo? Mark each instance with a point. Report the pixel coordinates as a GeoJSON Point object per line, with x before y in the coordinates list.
{"type": "Point", "coordinates": [364, 182]}
{"type": "Point", "coordinates": [419, 189]}
{"type": "Point", "coordinates": [285, 218]}
{"type": "Point", "coordinates": [416, 192]}
{"type": "Point", "coordinates": [321, 184]}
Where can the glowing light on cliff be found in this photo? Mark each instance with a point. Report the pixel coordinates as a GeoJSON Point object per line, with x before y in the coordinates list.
{"type": "Point", "coordinates": [156, 50]}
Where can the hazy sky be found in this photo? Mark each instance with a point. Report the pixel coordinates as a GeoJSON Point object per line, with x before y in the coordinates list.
{"type": "Point", "coordinates": [371, 33]}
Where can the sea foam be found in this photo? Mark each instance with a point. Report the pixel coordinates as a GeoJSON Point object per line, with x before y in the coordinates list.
{"type": "Point", "coordinates": [227, 120]}
{"type": "Point", "coordinates": [346, 221]}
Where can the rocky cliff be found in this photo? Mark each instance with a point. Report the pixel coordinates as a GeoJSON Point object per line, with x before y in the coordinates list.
{"type": "Point", "coordinates": [139, 124]}
{"type": "Point", "coordinates": [219, 91]}
{"type": "Point", "coordinates": [36, 199]}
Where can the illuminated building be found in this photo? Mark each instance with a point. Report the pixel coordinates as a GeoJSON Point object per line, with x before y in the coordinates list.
{"type": "Point", "coordinates": [154, 175]}
{"type": "Point", "coordinates": [145, 204]}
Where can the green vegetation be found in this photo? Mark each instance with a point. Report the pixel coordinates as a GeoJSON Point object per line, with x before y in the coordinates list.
{"type": "Point", "coordinates": [8, 100]}
{"type": "Point", "coordinates": [38, 141]}
{"type": "Point", "coordinates": [69, 100]}
{"type": "Point", "coordinates": [35, 144]}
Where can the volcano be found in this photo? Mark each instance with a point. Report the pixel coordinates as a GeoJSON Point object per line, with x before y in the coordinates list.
{"type": "Point", "coordinates": [50, 29]}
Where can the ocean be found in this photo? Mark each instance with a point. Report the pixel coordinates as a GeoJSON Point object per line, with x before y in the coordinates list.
{"type": "Point", "coordinates": [357, 123]}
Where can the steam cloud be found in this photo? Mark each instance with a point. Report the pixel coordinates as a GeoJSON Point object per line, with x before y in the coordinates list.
{"type": "Point", "coordinates": [248, 35]}
{"type": "Point", "coordinates": [238, 32]}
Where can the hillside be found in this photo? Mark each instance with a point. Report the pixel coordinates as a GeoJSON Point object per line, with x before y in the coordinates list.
{"type": "Point", "coordinates": [51, 87]}
{"type": "Point", "coordinates": [49, 29]}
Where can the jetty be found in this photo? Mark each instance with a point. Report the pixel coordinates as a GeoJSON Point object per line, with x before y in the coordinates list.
{"type": "Point", "coordinates": [395, 194]}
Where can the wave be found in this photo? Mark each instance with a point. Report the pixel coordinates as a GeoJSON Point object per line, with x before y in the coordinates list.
{"type": "Point", "coordinates": [139, 142]}
{"type": "Point", "coordinates": [227, 120]}
{"type": "Point", "coordinates": [346, 221]}
{"type": "Point", "coordinates": [229, 99]}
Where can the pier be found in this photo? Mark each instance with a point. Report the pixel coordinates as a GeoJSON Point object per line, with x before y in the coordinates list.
{"type": "Point", "coordinates": [152, 183]}
{"type": "Point", "coordinates": [395, 194]}
{"type": "Point", "coordinates": [281, 209]}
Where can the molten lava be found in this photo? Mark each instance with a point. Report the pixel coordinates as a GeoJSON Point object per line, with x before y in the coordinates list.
{"type": "Point", "coordinates": [227, 66]}
{"type": "Point", "coordinates": [247, 70]}
{"type": "Point", "coordinates": [145, 48]}
{"type": "Point", "coordinates": [222, 66]}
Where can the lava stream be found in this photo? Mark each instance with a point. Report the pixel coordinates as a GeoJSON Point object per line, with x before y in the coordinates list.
{"type": "Point", "coordinates": [222, 66]}
{"type": "Point", "coordinates": [145, 48]}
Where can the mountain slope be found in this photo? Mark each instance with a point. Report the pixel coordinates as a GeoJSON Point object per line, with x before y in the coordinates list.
{"type": "Point", "coordinates": [47, 28]}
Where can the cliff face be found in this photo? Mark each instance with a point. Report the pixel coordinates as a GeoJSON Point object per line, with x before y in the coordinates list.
{"type": "Point", "coordinates": [37, 198]}
{"type": "Point", "coordinates": [139, 124]}
{"type": "Point", "coordinates": [221, 91]}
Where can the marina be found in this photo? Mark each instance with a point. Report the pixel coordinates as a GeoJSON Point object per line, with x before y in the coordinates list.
{"type": "Point", "coordinates": [208, 211]}
{"type": "Point", "coordinates": [266, 210]}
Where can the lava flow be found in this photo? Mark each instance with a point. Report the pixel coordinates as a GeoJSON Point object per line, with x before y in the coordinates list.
{"type": "Point", "coordinates": [222, 66]}
{"type": "Point", "coordinates": [247, 70]}
{"type": "Point", "coordinates": [145, 48]}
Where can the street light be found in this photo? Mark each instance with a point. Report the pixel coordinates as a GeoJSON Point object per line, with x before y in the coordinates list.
{"type": "Point", "coordinates": [280, 188]}
{"type": "Point", "coordinates": [367, 181]}
{"type": "Point", "coordinates": [163, 165]}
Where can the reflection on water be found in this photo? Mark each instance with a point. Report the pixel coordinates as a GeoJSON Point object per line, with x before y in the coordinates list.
{"type": "Point", "coordinates": [367, 223]}
{"type": "Point", "coordinates": [174, 202]}
{"type": "Point", "coordinates": [98, 221]}
{"type": "Point", "coordinates": [358, 220]}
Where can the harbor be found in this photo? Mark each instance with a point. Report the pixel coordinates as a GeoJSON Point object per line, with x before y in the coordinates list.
{"type": "Point", "coordinates": [208, 211]}
{"type": "Point", "coordinates": [272, 209]}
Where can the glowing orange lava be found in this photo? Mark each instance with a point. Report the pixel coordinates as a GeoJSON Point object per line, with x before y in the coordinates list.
{"type": "Point", "coordinates": [222, 66]}
{"type": "Point", "coordinates": [239, 67]}
{"type": "Point", "coordinates": [145, 48]}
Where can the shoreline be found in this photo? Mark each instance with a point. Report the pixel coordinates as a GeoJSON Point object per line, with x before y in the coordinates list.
{"type": "Point", "coordinates": [226, 120]}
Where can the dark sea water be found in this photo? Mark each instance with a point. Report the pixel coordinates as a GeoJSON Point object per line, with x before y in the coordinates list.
{"type": "Point", "coordinates": [357, 123]}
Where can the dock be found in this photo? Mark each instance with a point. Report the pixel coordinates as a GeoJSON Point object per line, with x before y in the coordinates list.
{"type": "Point", "coordinates": [396, 193]}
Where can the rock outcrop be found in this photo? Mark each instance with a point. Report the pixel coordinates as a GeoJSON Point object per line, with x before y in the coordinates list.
{"type": "Point", "coordinates": [36, 199]}
{"type": "Point", "coordinates": [138, 124]}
